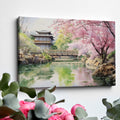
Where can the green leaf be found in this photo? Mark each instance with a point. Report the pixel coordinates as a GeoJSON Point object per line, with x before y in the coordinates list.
{"type": "Point", "coordinates": [1, 102]}
{"type": "Point", "coordinates": [41, 94]}
{"type": "Point", "coordinates": [105, 118]}
{"type": "Point", "coordinates": [80, 113]}
{"type": "Point", "coordinates": [114, 112]}
{"type": "Point", "coordinates": [18, 116]}
{"type": "Point", "coordinates": [52, 89]}
{"type": "Point", "coordinates": [31, 116]}
{"type": "Point", "coordinates": [13, 89]}
{"type": "Point", "coordinates": [28, 100]}
{"type": "Point", "coordinates": [11, 101]}
{"type": "Point", "coordinates": [60, 101]}
{"type": "Point", "coordinates": [107, 104]}
{"type": "Point", "coordinates": [4, 81]}
{"type": "Point", "coordinates": [49, 98]}
{"type": "Point", "coordinates": [116, 102]}
{"type": "Point", "coordinates": [91, 118]}
{"type": "Point", "coordinates": [41, 111]}
{"type": "Point", "coordinates": [30, 91]}
{"type": "Point", "coordinates": [5, 111]}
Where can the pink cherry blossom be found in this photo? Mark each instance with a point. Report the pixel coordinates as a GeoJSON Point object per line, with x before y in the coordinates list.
{"type": "Point", "coordinates": [99, 34]}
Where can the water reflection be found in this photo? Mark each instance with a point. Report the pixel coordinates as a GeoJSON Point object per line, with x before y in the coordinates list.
{"type": "Point", "coordinates": [55, 73]}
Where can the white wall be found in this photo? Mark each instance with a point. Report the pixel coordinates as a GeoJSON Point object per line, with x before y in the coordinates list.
{"type": "Point", "coordinates": [80, 9]}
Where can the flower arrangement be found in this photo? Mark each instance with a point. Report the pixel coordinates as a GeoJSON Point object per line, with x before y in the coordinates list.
{"type": "Point", "coordinates": [43, 105]}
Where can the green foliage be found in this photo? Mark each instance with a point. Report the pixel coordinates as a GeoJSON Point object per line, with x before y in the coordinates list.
{"type": "Point", "coordinates": [42, 92]}
{"type": "Point", "coordinates": [18, 116]}
{"type": "Point", "coordinates": [62, 41]}
{"type": "Point", "coordinates": [30, 91]}
{"type": "Point", "coordinates": [113, 110]}
{"type": "Point", "coordinates": [11, 101]}
{"type": "Point", "coordinates": [46, 56]}
{"type": "Point", "coordinates": [91, 118]}
{"type": "Point", "coordinates": [1, 102]}
{"type": "Point", "coordinates": [5, 88]}
{"type": "Point", "coordinates": [110, 55]}
{"type": "Point", "coordinates": [107, 104]}
{"type": "Point", "coordinates": [13, 88]}
{"type": "Point", "coordinates": [32, 38]}
{"type": "Point", "coordinates": [49, 98]}
{"type": "Point", "coordinates": [9, 104]}
{"type": "Point", "coordinates": [80, 113]}
{"type": "Point", "coordinates": [27, 43]}
{"type": "Point", "coordinates": [4, 81]}
{"type": "Point", "coordinates": [53, 47]}
{"type": "Point", "coordinates": [41, 111]}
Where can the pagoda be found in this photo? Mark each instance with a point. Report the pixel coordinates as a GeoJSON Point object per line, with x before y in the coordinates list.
{"type": "Point", "coordinates": [43, 39]}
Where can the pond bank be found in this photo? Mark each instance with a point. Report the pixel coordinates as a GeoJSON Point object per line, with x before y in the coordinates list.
{"type": "Point", "coordinates": [26, 59]}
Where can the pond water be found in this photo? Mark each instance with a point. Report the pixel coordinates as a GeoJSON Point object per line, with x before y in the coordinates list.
{"type": "Point", "coordinates": [61, 74]}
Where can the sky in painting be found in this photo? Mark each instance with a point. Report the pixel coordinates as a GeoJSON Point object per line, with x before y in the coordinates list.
{"type": "Point", "coordinates": [31, 25]}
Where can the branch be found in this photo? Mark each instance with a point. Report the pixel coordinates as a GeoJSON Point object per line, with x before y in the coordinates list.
{"type": "Point", "coordinates": [95, 48]}
{"type": "Point", "coordinates": [108, 26]}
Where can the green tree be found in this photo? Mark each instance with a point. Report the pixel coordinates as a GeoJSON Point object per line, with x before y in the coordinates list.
{"type": "Point", "coordinates": [62, 41]}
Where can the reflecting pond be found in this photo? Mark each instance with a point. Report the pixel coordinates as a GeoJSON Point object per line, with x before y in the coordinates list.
{"type": "Point", "coordinates": [61, 74]}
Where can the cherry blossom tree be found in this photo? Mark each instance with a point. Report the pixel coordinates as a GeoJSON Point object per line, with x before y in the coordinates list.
{"type": "Point", "coordinates": [94, 37]}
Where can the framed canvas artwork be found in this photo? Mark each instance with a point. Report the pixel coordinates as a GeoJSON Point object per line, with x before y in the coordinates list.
{"type": "Point", "coordinates": [65, 52]}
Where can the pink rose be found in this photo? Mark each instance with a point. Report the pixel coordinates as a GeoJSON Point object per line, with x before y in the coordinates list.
{"type": "Point", "coordinates": [6, 118]}
{"type": "Point", "coordinates": [26, 106]}
{"type": "Point", "coordinates": [75, 107]}
{"type": "Point", "coordinates": [52, 108]}
{"type": "Point", "coordinates": [55, 117]}
{"type": "Point", "coordinates": [69, 117]}
{"type": "Point", "coordinates": [61, 112]}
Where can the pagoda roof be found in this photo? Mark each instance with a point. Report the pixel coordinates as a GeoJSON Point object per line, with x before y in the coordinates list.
{"type": "Point", "coordinates": [43, 32]}
{"type": "Point", "coordinates": [42, 35]}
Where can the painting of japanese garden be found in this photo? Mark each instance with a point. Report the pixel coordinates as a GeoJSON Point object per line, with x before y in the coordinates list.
{"type": "Point", "coordinates": [65, 52]}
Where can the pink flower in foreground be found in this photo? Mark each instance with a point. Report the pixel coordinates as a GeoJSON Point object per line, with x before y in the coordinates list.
{"type": "Point", "coordinates": [69, 117]}
{"type": "Point", "coordinates": [26, 106]}
{"type": "Point", "coordinates": [6, 118]}
{"type": "Point", "coordinates": [73, 109]}
{"type": "Point", "coordinates": [55, 117]}
{"type": "Point", "coordinates": [52, 108]}
{"type": "Point", "coordinates": [62, 114]}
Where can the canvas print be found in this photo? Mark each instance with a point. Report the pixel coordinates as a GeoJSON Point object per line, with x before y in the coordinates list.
{"type": "Point", "coordinates": [65, 52]}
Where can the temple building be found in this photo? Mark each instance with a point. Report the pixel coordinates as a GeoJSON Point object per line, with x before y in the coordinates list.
{"type": "Point", "coordinates": [43, 39]}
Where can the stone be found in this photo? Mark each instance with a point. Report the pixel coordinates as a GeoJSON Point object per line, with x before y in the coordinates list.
{"type": "Point", "coordinates": [106, 73]}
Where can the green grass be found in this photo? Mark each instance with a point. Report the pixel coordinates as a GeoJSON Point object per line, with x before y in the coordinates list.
{"type": "Point", "coordinates": [27, 43]}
